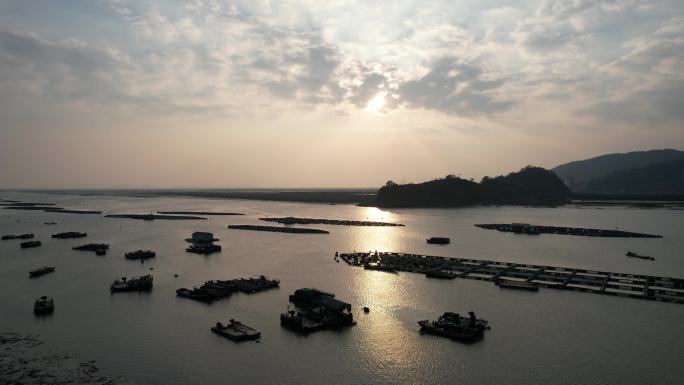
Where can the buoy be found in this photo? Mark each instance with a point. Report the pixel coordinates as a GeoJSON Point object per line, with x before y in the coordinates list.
{"type": "Point", "coordinates": [175, 275]}
{"type": "Point", "coordinates": [366, 309]}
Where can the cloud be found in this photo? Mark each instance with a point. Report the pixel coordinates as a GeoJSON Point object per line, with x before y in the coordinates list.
{"type": "Point", "coordinates": [51, 70]}
{"type": "Point", "coordinates": [455, 88]}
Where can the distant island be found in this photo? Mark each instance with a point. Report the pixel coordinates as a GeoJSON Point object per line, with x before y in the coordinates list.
{"type": "Point", "coordinates": [529, 186]}
{"type": "Point", "coordinates": [638, 174]}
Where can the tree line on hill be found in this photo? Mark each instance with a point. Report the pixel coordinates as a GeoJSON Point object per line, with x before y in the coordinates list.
{"type": "Point", "coordinates": [529, 186]}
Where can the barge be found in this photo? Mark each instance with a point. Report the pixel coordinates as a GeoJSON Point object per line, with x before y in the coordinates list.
{"type": "Point", "coordinates": [236, 331]}
{"type": "Point", "coordinates": [452, 325]}
{"type": "Point", "coordinates": [30, 244]}
{"type": "Point", "coordinates": [203, 248]}
{"type": "Point", "coordinates": [143, 283]}
{"type": "Point", "coordinates": [44, 305]}
{"type": "Point", "coordinates": [438, 240]}
{"type": "Point", "coordinates": [70, 234]}
{"type": "Point", "coordinates": [41, 271]}
{"type": "Point", "coordinates": [140, 254]}
{"type": "Point", "coordinates": [98, 248]}
{"type": "Point", "coordinates": [21, 236]}
{"type": "Point", "coordinates": [214, 290]}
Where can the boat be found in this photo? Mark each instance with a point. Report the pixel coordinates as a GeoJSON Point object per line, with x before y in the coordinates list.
{"type": "Point", "coordinates": [12, 236]}
{"type": "Point", "coordinates": [44, 305]}
{"type": "Point", "coordinates": [92, 247]}
{"type": "Point", "coordinates": [140, 254]}
{"type": "Point", "coordinates": [520, 285]}
{"type": "Point", "coordinates": [441, 274]}
{"type": "Point", "coordinates": [635, 255]}
{"type": "Point", "coordinates": [143, 283]}
{"type": "Point", "coordinates": [29, 244]}
{"type": "Point", "coordinates": [70, 234]}
{"type": "Point", "coordinates": [452, 325]}
{"type": "Point", "coordinates": [438, 240]}
{"type": "Point", "coordinates": [41, 271]}
{"type": "Point", "coordinates": [378, 267]}
{"type": "Point", "coordinates": [202, 248]}
{"type": "Point", "coordinates": [236, 331]}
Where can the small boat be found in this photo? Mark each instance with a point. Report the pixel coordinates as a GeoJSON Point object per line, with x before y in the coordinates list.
{"type": "Point", "coordinates": [452, 325]}
{"type": "Point", "coordinates": [101, 252]}
{"type": "Point", "coordinates": [438, 240]}
{"type": "Point", "coordinates": [236, 331]}
{"type": "Point", "coordinates": [143, 283]}
{"type": "Point", "coordinates": [635, 255]}
{"type": "Point", "coordinates": [70, 234]}
{"type": "Point", "coordinates": [44, 305]}
{"type": "Point", "coordinates": [520, 285]}
{"type": "Point", "coordinates": [29, 244]}
{"type": "Point", "coordinates": [140, 254]}
{"type": "Point", "coordinates": [41, 271]}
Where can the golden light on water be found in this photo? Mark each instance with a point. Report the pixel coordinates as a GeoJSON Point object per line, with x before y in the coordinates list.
{"type": "Point", "coordinates": [378, 215]}
{"type": "Point", "coordinates": [380, 238]}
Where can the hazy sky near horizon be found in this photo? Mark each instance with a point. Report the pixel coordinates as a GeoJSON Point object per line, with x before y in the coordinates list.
{"type": "Point", "coordinates": [210, 93]}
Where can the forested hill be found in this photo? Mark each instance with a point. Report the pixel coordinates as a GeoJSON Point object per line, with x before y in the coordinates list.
{"type": "Point", "coordinates": [660, 178]}
{"type": "Point", "coordinates": [529, 186]}
{"type": "Point", "coordinates": [579, 173]}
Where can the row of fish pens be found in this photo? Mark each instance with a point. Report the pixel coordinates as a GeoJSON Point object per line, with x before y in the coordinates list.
{"type": "Point", "coordinates": [639, 286]}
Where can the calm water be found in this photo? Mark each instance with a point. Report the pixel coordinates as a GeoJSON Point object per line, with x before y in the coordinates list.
{"type": "Point", "coordinates": [156, 338]}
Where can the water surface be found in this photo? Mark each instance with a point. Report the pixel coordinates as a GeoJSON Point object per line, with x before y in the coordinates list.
{"type": "Point", "coordinates": [156, 338]}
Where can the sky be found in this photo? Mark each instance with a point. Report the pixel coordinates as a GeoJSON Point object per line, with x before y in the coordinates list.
{"type": "Point", "coordinates": [210, 93]}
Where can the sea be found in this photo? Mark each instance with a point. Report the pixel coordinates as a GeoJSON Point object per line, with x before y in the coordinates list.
{"type": "Point", "coordinates": [545, 337]}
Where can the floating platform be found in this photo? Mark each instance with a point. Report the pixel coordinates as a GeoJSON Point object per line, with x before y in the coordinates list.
{"type": "Point", "coordinates": [524, 228]}
{"type": "Point", "coordinates": [198, 213]}
{"type": "Point", "coordinates": [655, 288]}
{"type": "Point", "coordinates": [277, 229]}
{"type": "Point", "coordinates": [152, 217]}
{"type": "Point", "coordinates": [319, 221]}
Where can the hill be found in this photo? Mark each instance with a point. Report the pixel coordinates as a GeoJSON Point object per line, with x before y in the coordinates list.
{"type": "Point", "coordinates": [529, 186]}
{"type": "Point", "coordinates": [659, 178]}
{"type": "Point", "coordinates": [579, 173]}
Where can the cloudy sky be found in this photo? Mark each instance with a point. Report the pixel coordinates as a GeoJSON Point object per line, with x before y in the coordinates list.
{"type": "Point", "coordinates": [210, 93]}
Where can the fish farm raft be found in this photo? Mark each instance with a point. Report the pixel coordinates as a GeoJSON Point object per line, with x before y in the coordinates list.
{"type": "Point", "coordinates": [639, 286]}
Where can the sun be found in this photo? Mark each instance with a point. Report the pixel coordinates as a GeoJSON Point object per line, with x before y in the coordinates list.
{"type": "Point", "coordinates": [377, 102]}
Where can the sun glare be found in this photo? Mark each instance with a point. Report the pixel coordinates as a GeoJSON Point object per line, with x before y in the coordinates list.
{"type": "Point", "coordinates": [377, 102]}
